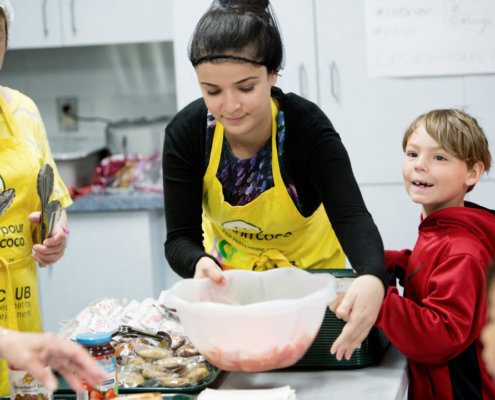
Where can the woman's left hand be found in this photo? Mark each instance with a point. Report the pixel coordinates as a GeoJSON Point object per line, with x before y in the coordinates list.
{"type": "Point", "coordinates": [52, 249]}
{"type": "Point", "coordinates": [359, 307]}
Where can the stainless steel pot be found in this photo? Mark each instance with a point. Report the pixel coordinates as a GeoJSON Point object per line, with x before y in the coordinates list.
{"type": "Point", "coordinates": [137, 137]}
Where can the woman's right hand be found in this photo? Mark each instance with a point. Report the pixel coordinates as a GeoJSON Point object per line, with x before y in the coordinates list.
{"type": "Point", "coordinates": [207, 268]}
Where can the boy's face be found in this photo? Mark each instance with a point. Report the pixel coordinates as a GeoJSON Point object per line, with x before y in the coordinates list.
{"type": "Point", "coordinates": [488, 335]}
{"type": "Point", "coordinates": [432, 176]}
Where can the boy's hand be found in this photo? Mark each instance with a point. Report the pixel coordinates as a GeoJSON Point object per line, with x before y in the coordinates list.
{"type": "Point", "coordinates": [359, 307]}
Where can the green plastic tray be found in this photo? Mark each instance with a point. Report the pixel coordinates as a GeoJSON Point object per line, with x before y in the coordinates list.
{"type": "Point", "coordinates": [318, 355]}
{"type": "Point", "coordinates": [64, 388]}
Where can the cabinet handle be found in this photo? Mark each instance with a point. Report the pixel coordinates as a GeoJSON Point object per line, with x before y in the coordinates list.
{"type": "Point", "coordinates": [303, 81]}
{"type": "Point", "coordinates": [334, 81]}
{"type": "Point", "coordinates": [73, 16]}
{"type": "Point", "coordinates": [45, 25]}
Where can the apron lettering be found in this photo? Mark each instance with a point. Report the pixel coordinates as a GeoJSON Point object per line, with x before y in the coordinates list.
{"type": "Point", "coordinates": [3, 292]}
{"type": "Point", "coordinates": [23, 314]}
{"type": "Point", "coordinates": [259, 236]}
{"type": "Point", "coordinates": [25, 293]}
{"type": "Point", "coordinates": [12, 229]}
{"type": "Point", "coordinates": [17, 242]}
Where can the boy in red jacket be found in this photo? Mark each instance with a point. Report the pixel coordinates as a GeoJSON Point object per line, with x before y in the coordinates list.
{"type": "Point", "coordinates": [437, 323]}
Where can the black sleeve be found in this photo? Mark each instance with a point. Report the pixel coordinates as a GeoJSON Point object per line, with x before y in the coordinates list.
{"type": "Point", "coordinates": [183, 171]}
{"type": "Point", "coordinates": [322, 172]}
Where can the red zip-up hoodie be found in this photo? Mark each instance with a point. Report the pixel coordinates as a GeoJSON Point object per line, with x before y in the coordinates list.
{"type": "Point", "coordinates": [437, 323]}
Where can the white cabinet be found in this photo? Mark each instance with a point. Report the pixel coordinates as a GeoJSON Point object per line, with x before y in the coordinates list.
{"type": "Point", "coordinates": [480, 103]}
{"type": "Point", "coordinates": [296, 21]}
{"type": "Point", "coordinates": [55, 23]}
{"type": "Point", "coordinates": [92, 22]}
{"type": "Point", "coordinates": [370, 114]}
{"type": "Point", "coordinates": [36, 24]}
{"type": "Point", "coordinates": [186, 17]}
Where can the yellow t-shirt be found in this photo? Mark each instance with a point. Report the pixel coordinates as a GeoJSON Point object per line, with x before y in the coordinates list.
{"type": "Point", "coordinates": [28, 119]}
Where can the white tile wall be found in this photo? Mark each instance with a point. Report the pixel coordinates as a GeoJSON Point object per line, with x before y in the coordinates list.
{"type": "Point", "coordinates": [114, 81]}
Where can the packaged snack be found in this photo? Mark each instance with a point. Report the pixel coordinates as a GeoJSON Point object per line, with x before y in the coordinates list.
{"type": "Point", "coordinates": [24, 386]}
{"type": "Point", "coordinates": [188, 350]}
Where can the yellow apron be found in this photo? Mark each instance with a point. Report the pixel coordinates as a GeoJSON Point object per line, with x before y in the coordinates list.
{"type": "Point", "coordinates": [19, 303]}
{"type": "Point", "coordinates": [269, 232]}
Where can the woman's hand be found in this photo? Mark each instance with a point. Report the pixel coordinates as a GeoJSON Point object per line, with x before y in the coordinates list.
{"type": "Point", "coordinates": [52, 249]}
{"type": "Point", "coordinates": [359, 307]}
{"type": "Point", "coordinates": [207, 268]}
{"type": "Point", "coordinates": [34, 351]}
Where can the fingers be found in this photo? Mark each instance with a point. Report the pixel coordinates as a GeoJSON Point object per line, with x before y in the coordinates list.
{"type": "Point", "coordinates": [217, 277]}
{"type": "Point", "coordinates": [34, 217]}
{"type": "Point", "coordinates": [336, 303]}
{"type": "Point", "coordinates": [43, 374]}
{"type": "Point", "coordinates": [207, 268]}
{"type": "Point", "coordinates": [47, 259]}
{"type": "Point", "coordinates": [72, 380]}
{"type": "Point", "coordinates": [52, 248]}
{"type": "Point", "coordinates": [345, 306]}
{"type": "Point", "coordinates": [70, 359]}
{"type": "Point", "coordinates": [349, 340]}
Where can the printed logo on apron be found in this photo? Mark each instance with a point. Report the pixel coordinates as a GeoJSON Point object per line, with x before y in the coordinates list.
{"type": "Point", "coordinates": [242, 226]}
{"type": "Point", "coordinates": [2, 184]}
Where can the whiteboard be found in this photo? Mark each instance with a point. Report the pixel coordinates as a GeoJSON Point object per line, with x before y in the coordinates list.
{"type": "Point", "coordinates": [430, 37]}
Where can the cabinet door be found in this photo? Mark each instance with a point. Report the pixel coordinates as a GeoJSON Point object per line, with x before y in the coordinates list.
{"type": "Point", "coordinates": [296, 20]}
{"type": "Point", "coordinates": [185, 18]}
{"type": "Point", "coordinates": [370, 114]}
{"type": "Point", "coordinates": [93, 22]}
{"type": "Point", "coordinates": [480, 102]}
{"type": "Point", "coordinates": [36, 24]}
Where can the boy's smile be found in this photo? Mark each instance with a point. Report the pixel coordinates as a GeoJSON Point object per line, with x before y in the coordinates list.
{"type": "Point", "coordinates": [432, 176]}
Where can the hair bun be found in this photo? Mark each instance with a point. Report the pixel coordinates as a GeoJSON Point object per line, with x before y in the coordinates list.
{"type": "Point", "coordinates": [245, 3]}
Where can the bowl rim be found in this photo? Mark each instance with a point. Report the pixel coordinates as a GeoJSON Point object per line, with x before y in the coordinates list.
{"type": "Point", "coordinates": [269, 307]}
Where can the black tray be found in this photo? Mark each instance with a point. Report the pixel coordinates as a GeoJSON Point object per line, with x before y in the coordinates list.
{"type": "Point", "coordinates": [318, 355]}
{"type": "Point", "coordinates": [64, 388]}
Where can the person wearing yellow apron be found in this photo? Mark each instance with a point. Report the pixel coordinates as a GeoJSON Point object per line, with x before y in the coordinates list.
{"type": "Point", "coordinates": [257, 179]}
{"type": "Point", "coordinates": [23, 149]}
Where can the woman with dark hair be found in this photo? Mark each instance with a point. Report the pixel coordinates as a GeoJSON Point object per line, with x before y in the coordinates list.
{"type": "Point", "coordinates": [256, 179]}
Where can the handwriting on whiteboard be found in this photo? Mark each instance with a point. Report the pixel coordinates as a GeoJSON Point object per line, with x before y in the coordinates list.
{"type": "Point", "coordinates": [430, 37]}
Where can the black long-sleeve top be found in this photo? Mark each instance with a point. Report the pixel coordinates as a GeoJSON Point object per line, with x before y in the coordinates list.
{"type": "Point", "coordinates": [315, 159]}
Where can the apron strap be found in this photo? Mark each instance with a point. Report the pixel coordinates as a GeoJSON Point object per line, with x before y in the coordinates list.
{"type": "Point", "coordinates": [270, 259]}
{"type": "Point", "coordinates": [11, 315]}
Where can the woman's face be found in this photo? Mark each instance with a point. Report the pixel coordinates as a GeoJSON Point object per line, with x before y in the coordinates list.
{"type": "Point", "coordinates": [237, 95]}
{"type": "Point", "coordinates": [488, 334]}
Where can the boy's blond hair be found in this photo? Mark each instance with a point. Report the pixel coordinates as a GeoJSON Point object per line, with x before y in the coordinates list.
{"type": "Point", "coordinates": [456, 132]}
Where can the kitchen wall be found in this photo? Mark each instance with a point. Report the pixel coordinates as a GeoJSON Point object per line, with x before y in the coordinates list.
{"type": "Point", "coordinates": [113, 81]}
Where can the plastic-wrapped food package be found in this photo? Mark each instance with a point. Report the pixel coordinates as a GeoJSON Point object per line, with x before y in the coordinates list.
{"type": "Point", "coordinates": [143, 358]}
{"type": "Point", "coordinates": [148, 174]}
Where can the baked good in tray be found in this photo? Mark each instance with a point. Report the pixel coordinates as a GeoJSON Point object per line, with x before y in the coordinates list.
{"type": "Point", "coordinates": [145, 363]}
